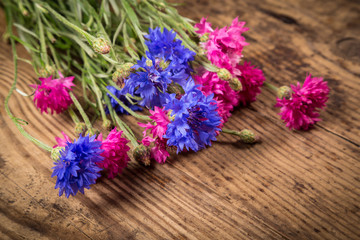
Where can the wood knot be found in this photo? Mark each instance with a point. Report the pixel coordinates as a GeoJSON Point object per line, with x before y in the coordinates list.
{"type": "Point", "coordinates": [349, 48]}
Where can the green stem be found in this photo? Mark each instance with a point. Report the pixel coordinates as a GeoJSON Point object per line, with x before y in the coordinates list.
{"type": "Point", "coordinates": [232, 132]}
{"type": "Point", "coordinates": [123, 126]}
{"type": "Point", "coordinates": [18, 122]}
{"type": "Point", "coordinates": [88, 36]}
{"type": "Point", "coordinates": [43, 51]}
{"type": "Point", "coordinates": [270, 86]}
{"type": "Point", "coordinates": [73, 115]}
{"type": "Point", "coordinates": [81, 111]}
{"type": "Point", "coordinates": [131, 112]}
{"type": "Point", "coordinates": [96, 89]}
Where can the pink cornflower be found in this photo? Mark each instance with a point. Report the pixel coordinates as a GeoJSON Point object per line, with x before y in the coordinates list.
{"type": "Point", "coordinates": [203, 27]}
{"type": "Point", "coordinates": [115, 153]}
{"type": "Point", "coordinates": [62, 142]}
{"type": "Point", "coordinates": [251, 79]}
{"type": "Point", "coordinates": [225, 97]}
{"type": "Point", "coordinates": [158, 129]}
{"type": "Point", "coordinates": [53, 94]}
{"type": "Point", "coordinates": [301, 110]}
{"type": "Point", "coordinates": [225, 45]}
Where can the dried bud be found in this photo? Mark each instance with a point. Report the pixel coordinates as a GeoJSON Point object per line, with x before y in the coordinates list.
{"type": "Point", "coordinates": [47, 71]}
{"type": "Point", "coordinates": [121, 74]}
{"type": "Point", "coordinates": [224, 74]}
{"type": "Point", "coordinates": [248, 136]}
{"type": "Point", "coordinates": [55, 153]}
{"type": "Point", "coordinates": [235, 84]}
{"type": "Point", "coordinates": [204, 38]}
{"type": "Point", "coordinates": [142, 155]}
{"type": "Point", "coordinates": [101, 45]}
{"type": "Point", "coordinates": [80, 128]}
{"type": "Point", "coordinates": [106, 124]}
{"type": "Point", "coordinates": [284, 92]}
{"type": "Point", "coordinates": [164, 64]}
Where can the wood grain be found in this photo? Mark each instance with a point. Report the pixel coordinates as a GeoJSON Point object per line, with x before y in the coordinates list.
{"type": "Point", "coordinates": [292, 185]}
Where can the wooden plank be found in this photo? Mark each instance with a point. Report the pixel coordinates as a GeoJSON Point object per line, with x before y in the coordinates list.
{"type": "Point", "coordinates": [293, 185]}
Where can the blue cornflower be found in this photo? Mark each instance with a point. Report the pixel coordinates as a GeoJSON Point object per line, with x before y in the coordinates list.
{"type": "Point", "coordinates": [164, 45]}
{"type": "Point", "coordinates": [195, 120]}
{"type": "Point", "coordinates": [76, 168]}
{"type": "Point", "coordinates": [121, 97]}
{"type": "Point", "coordinates": [151, 80]}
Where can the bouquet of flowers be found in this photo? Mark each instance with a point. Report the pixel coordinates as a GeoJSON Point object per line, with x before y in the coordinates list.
{"type": "Point", "coordinates": [180, 80]}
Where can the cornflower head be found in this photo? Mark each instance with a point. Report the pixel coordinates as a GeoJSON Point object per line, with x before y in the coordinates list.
{"type": "Point", "coordinates": [163, 45]}
{"type": "Point", "coordinates": [301, 109]}
{"type": "Point", "coordinates": [115, 153]}
{"type": "Point", "coordinates": [117, 107]}
{"type": "Point", "coordinates": [194, 119]}
{"type": "Point", "coordinates": [53, 94]}
{"type": "Point", "coordinates": [151, 80]}
{"type": "Point", "coordinates": [224, 46]}
{"type": "Point", "coordinates": [76, 167]}
{"type": "Point", "coordinates": [252, 79]}
{"type": "Point", "coordinates": [158, 128]}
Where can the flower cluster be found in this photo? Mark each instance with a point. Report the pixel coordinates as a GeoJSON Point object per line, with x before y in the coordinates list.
{"type": "Point", "coordinates": [79, 163]}
{"type": "Point", "coordinates": [190, 122]}
{"type": "Point", "coordinates": [224, 49]}
{"type": "Point", "coordinates": [301, 109]}
{"type": "Point", "coordinates": [53, 94]}
{"type": "Point", "coordinates": [187, 110]}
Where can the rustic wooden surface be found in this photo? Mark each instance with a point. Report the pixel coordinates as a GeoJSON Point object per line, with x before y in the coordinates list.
{"type": "Point", "coordinates": [293, 185]}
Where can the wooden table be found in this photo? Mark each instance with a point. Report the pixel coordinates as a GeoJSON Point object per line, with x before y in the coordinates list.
{"type": "Point", "coordinates": [292, 185]}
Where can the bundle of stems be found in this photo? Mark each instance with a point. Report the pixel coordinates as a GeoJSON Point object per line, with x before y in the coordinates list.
{"type": "Point", "coordinates": [90, 40]}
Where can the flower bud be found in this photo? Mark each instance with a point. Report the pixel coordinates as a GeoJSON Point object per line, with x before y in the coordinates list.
{"type": "Point", "coordinates": [101, 45]}
{"type": "Point", "coordinates": [55, 153]}
{"type": "Point", "coordinates": [106, 124]}
{"type": "Point", "coordinates": [142, 155]}
{"type": "Point", "coordinates": [284, 92]}
{"type": "Point", "coordinates": [224, 74]}
{"type": "Point", "coordinates": [47, 71]}
{"type": "Point", "coordinates": [248, 136]}
{"type": "Point", "coordinates": [80, 128]}
{"type": "Point", "coordinates": [235, 84]}
{"type": "Point", "coordinates": [204, 38]}
{"type": "Point", "coordinates": [121, 74]}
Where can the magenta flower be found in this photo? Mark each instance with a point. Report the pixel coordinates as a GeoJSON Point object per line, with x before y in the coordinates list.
{"type": "Point", "coordinates": [115, 153]}
{"type": "Point", "coordinates": [225, 97]}
{"type": "Point", "coordinates": [301, 111]}
{"type": "Point", "coordinates": [251, 79]}
{"type": "Point", "coordinates": [53, 94]}
{"type": "Point", "coordinates": [203, 27]}
{"type": "Point", "coordinates": [225, 45]}
{"type": "Point", "coordinates": [62, 142]}
{"type": "Point", "coordinates": [158, 129]}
